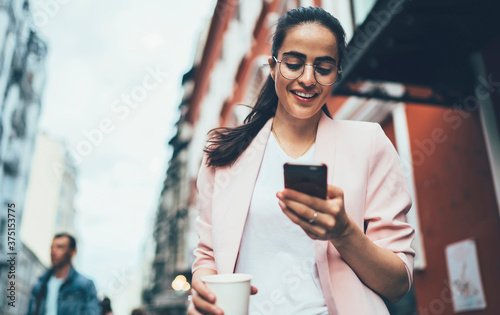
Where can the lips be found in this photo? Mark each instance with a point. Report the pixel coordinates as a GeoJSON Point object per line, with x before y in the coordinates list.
{"type": "Point", "coordinates": [304, 94]}
{"type": "Point", "coordinates": [304, 97]}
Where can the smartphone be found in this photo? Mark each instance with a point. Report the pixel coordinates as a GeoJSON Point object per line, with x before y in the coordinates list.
{"type": "Point", "coordinates": [308, 179]}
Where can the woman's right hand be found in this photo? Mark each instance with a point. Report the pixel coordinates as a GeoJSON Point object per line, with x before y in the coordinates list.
{"type": "Point", "coordinates": [203, 301]}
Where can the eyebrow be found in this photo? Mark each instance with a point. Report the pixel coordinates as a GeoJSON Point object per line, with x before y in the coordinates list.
{"type": "Point", "coordinates": [302, 56]}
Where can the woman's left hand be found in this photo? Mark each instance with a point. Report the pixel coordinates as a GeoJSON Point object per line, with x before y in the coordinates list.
{"type": "Point", "coordinates": [320, 219]}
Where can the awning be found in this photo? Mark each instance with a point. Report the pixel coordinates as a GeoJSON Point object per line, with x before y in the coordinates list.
{"type": "Point", "coordinates": [421, 43]}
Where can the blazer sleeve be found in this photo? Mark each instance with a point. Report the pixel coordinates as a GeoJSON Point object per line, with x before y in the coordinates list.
{"type": "Point", "coordinates": [204, 253]}
{"type": "Point", "coordinates": [388, 200]}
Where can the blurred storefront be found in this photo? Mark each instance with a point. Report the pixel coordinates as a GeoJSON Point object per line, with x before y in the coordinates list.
{"type": "Point", "coordinates": [22, 80]}
{"type": "Point", "coordinates": [50, 196]}
{"type": "Point", "coordinates": [427, 71]}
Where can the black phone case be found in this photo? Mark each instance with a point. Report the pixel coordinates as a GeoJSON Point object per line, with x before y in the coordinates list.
{"type": "Point", "coordinates": [309, 179]}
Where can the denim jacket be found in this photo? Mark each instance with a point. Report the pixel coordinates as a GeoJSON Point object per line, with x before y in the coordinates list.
{"type": "Point", "coordinates": [77, 296]}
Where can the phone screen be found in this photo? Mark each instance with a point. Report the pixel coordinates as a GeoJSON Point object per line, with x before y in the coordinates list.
{"type": "Point", "coordinates": [308, 179]}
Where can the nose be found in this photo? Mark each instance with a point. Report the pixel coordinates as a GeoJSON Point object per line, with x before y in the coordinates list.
{"type": "Point", "coordinates": [307, 78]}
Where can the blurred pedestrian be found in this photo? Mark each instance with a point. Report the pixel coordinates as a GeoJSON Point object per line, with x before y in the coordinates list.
{"type": "Point", "coordinates": [106, 306]}
{"type": "Point", "coordinates": [307, 255]}
{"type": "Point", "coordinates": [62, 290]}
{"type": "Point", "coordinates": [139, 311]}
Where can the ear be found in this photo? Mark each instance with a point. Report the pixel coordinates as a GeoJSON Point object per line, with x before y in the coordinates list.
{"type": "Point", "coordinates": [272, 65]}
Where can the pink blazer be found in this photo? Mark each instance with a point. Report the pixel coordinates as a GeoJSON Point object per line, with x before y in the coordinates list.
{"type": "Point", "coordinates": [362, 161]}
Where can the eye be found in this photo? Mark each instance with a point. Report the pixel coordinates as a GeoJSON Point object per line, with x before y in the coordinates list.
{"type": "Point", "coordinates": [325, 68]}
{"type": "Point", "coordinates": [293, 64]}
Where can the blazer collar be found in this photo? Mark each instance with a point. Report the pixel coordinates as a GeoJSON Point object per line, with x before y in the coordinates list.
{"type": "Point", "coordinates": [325, 145]}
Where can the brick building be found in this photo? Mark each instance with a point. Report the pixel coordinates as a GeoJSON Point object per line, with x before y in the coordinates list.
{"type": "Point", "coordinates": [426, 71]}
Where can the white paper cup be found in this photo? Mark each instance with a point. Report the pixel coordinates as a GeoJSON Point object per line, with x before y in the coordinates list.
{"type": "Point", "coordinates": [232, 292]}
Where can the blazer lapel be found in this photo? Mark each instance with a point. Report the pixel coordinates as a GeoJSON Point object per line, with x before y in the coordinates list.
{"type": "Point", "coordinates": [231, 200]}
{"type": "Point", "coordinates": [326, 141]}
{"type": "Point", "coordinates": [325, 145]}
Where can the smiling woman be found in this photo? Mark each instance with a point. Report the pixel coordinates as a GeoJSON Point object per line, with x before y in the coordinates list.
{"type": "Point", "coordinates": [307, 255]}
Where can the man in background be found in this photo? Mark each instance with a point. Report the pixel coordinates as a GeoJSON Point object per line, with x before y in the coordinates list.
{"type": "Point", "coordinates": [62, 290]}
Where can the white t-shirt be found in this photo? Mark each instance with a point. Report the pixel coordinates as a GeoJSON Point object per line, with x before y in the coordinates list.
{"type": "Point", "coordinates": [53, 286]}
{"type": "Point", "coordinates": [274, 250]}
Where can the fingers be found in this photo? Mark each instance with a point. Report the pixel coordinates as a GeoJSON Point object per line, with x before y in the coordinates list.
{"type": "Point", "coordinates": [192, 309]}
{"type": "Point", "coordinates": [298, 211]}
{"type": "Point", "coordinates": [320, 219]}
{"type": "Point", "coordinates": [315, 230]}
{"type": "Point", "coordinates": [334, 194]}
{"type": "Point", "coordinates": [205, 306]}
{"type": "Point", "coordinates": [325, 215]}
{"type": "Point", "coordinates": [253, 290]}
{"type": "Point", "coordinates": [311, 235]}
{"type": "Point", "coordinates": [300, 202]}
{"type": "Point", "coordinates": [203, 291]}
{"type": "Point", "coordinates": [203, 301]}
{"type": "Point", "coordinates": [293, 195]}
{"type": "Point", "coordinates": [200, 306]}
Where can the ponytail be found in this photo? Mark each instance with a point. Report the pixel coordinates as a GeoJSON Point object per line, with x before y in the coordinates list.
{"type": "Point", "coordinates": [225, 145]}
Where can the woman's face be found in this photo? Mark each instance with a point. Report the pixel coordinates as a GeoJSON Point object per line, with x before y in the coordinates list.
{"type": "Point", "coordinates": [302, 98]}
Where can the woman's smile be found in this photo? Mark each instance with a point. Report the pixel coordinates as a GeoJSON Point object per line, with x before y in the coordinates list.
{"type": "Point", "coordinates": [304, 96]}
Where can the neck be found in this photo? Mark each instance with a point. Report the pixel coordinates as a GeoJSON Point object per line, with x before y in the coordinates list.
{"type": "Point", "coordinates": [61, 272]}
{"type": "Point", "coordinates": [292, 128]}
{"type": "Point", "coordinates": [295, 135]}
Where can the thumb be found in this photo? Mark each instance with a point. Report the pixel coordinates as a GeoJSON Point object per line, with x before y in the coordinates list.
{"type": "Point", "coordinates": [334, 192]}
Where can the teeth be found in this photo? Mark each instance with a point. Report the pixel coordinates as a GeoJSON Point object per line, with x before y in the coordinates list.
{"type": "Point", "coordinates": [305, 95]}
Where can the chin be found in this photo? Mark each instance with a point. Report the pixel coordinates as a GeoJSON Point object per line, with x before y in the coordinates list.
{"type": "Point", "coordinates": [304, 111]}
{"type": "Point", "coordinates": [56, 264]}
{"type": "Point", "coordinates": [301, 112]}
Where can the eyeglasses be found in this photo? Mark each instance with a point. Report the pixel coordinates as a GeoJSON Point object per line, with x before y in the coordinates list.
{"type": "Point", "coordinates": [326, 73]}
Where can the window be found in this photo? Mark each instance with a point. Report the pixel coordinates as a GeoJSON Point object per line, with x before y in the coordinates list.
{"type": "Point", "coordinates": [361, 9]}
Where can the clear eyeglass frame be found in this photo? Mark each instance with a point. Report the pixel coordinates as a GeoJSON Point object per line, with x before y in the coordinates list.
{"type": "Point", "coordinates": [337, 77]}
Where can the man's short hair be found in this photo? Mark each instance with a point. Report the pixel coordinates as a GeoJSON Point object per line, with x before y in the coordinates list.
{"type": "Point", "coordinates": [72, 241]}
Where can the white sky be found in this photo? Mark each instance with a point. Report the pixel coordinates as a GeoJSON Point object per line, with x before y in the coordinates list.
{"type": "Point", "coordinates": [99, 51]}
